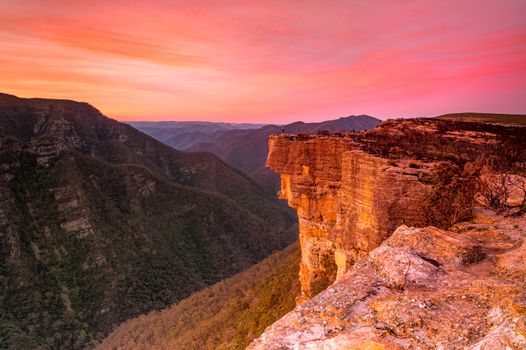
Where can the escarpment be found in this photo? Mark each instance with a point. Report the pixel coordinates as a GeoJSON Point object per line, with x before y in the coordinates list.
{"type": "Point", "coordinates": [100, 223]}
{"type": "Point", "coordinates": [348, 202]}
{"type": "Point", "coordinates": [352, 190]}
{"type": "Point", "coordinates": [375, 272]}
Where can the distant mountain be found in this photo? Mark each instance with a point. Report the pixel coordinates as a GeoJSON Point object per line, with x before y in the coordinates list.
{"type": "Point", "coordinates": [196, 125]}
{"type": "Point", "coordinates": [246, 149]}
{"type": "Point", "coordinates": [100, 223]}
{"type": "Point", "coordinates": [167, 131]}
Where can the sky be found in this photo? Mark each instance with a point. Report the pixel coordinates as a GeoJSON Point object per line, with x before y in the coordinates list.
{"type": "Point", "coordinates": [267, 61]}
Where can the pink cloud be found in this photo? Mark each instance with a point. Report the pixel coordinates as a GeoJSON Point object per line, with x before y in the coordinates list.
{"type": "Point", "coordinates": [268, 61]}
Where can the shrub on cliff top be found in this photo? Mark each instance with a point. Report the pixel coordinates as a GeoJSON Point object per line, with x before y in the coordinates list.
{"type": "Point", "coordinates": [452, 196]}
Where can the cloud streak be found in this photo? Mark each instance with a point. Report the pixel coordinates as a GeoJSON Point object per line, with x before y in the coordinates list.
{"type": "Point", "coordinates": [267, 61]}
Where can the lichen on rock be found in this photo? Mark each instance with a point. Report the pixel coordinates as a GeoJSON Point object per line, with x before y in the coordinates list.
{"type": "Point", "coordinates": [409, 295]}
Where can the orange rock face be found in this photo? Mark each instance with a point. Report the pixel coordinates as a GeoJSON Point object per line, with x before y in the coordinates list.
{"type": "Point", "coordinates": [423, 288]}
{"type": "Point", "coordinates": [373, 275]}
{"type": "Point", "coordinates": [348, 202]}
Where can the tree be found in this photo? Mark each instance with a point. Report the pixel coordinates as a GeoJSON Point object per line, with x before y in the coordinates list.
{"type": "Point", "coordinates": [452, 196]}
{"type": "Point", "coordinates": [494, 189]}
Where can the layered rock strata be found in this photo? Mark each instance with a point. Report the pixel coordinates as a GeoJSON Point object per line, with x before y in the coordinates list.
{"type": "Point", "coordinates": [348, 201]}
{"type": "Point", "coordinates": [352, 190]}
{"type": "Point", "coordinates": [398, 283]}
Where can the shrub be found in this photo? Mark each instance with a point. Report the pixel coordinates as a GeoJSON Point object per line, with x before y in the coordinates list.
{"type": "Point", "coordinates": [452, 196]}
{"type": "Point", "coordinates": [520, 185]}
{"type": "Point", "coordinates": [494, 189]}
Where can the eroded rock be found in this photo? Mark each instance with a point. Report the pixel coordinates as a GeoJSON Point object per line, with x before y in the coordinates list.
{"type": "Point", "coordinates": [348, 202]}
{"type": "Point", "coordinates": [421, 289]}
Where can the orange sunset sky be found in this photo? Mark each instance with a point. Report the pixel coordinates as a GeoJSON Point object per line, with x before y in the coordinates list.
{"type": "Point", "coordinates": [267, 61]}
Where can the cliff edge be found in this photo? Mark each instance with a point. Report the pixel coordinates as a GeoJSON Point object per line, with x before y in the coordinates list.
{"type": "Point", "coordinates": [376, 271]}
{"type": "Point", "coordinates": [423, 288]}
{"type": "Point", "coordinates": [348, 202]}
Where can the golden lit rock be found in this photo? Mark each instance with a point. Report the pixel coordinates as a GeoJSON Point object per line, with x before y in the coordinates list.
{"type": "Point", "coordinates": [348, 202]}
{"type": "Point", "coordinates": [423, 288]}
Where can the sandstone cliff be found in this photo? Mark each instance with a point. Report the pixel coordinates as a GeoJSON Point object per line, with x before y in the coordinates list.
{"type": "Point", "coordinates": [352, 190]}
{"type": "Point", "coordinates": [423, 288]}
{"type": "Point", "coordinates": [362, 203]}
{"type": "Point", "coordinates": [348, 202]}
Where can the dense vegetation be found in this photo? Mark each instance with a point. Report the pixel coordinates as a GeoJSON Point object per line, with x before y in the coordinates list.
{"type": "Point", "coordinates": [452, 195]}
{"type": "Point", "coordinates": [228, 315]}
{"type": "Point", "coordinates": [100, 223]}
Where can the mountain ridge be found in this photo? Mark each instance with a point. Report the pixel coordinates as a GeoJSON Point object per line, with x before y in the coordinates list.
{"type": "Point", "coordinates": [246, 149]}
{"type": "Point", "coordinates": [100, 223]}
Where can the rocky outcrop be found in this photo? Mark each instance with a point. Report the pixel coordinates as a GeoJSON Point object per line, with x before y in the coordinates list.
{"type": "Point", "coordinates": [348, 201]}
{"type": "Point", "coordinates": [387, 279]}
{"type": "Point", "coordinates": [423, 288]}
{"type": "Point", "coordinates": [352, 190]}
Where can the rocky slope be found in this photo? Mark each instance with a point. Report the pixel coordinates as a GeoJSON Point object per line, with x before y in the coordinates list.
{"type": "Point", "coordinates": [100, 223]}
{"type": "Point", "coordinates": [363, 206]}
{"type": "Point", "coordinates": [423, 288]}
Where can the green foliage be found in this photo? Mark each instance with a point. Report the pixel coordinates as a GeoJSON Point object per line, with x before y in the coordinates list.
{"type": "Point", "coordinates": [33, 309]}
{"type": "Point", "coordinates": [228, 315]}
{"type": "Point", "coordinates": [140, 253]}
{"type": "Point", "coordinates": [452, 196]}
{"type": "Point", "coordinates": [105, 223]}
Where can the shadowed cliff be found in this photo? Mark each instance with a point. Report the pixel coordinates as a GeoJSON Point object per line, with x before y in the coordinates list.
{"type": "Point", "coordinates": [100, 222]}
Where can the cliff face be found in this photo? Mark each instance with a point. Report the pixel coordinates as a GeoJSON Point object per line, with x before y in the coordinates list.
{"type": "Point", "coordinates": [100, 223]}
{"type": "Point", "coordinates": [348, 201]}
{"type": "Point", "coordinates": [385, 279]}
